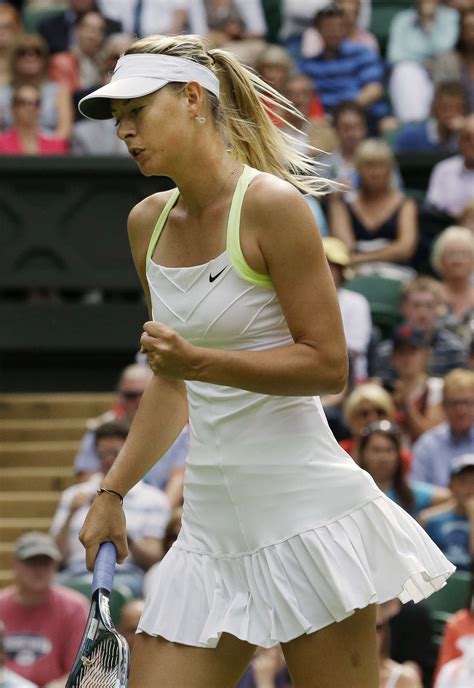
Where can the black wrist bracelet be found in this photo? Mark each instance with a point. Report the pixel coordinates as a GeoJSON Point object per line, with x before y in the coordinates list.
{"type": "Point", "coordinates": [112, 492]}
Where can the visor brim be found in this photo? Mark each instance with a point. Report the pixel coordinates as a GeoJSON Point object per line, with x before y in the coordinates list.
{"type": "Point", "coordinates": [97, 105]}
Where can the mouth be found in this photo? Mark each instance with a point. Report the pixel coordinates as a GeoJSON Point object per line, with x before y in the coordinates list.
{"type": "Point", "coordinates": [136, 152]}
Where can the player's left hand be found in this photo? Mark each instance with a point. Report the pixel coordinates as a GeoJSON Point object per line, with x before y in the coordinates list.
{"type": "Point", "coordinates": [168, 354]}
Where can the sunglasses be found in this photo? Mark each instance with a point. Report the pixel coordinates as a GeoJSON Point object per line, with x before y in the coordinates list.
{"type": "Point", "coordinates": [31, 51]}
{"type": "Point", "coordinates": [366, 413]}
{"type": "Point", "coordinates": [29, 103]}
{"type": "Point", "coordinates": [131, 395]}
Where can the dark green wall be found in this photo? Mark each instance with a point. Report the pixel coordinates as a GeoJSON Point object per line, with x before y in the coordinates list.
{"type": "Point", "coordinates": [63, 226]}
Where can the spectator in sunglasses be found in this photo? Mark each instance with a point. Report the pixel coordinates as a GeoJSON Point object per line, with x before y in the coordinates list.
{"type": "Point", "coordinates": [29, 67]}
{"type": "Point", "coordinates": [25, 137]}
{"type": "Point", "coordinates": [368, 402]}
{"type": "Point", "coordinates": [380, 455]}
{"type": "Point", "coordinates": [168, 473]}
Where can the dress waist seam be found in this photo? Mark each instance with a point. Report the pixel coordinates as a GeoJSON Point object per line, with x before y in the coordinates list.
{"type": "Point", "coordinates": [236, 555]}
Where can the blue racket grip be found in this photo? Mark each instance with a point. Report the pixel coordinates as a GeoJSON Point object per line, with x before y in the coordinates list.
{"type": "Point", "coordinates": [104, 567]}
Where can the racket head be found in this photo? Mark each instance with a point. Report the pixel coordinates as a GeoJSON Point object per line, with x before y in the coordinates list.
{"type": "Point", "coordinates": [103, 659]}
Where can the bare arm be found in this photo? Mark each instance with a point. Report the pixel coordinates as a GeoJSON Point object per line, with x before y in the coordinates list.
{"type": "Point", "coordinates": [65, 114]}
{"type": "Point", "coordinates": [403, 248]}
{"type": "Point", "coordinates": [440, 495]}
{"type": "Point", "coordinates": [174, 487]}
{"type": "Point", "coordinates": [369, 94]}
{"type": "Point", "coordinates": [292, 250]}
{"type": "Point", "coordinates": [340, 223]}
{"type": "Point", "coordinates": [151, 433]}
{"type": "Point", "coordinates": [146, 551]}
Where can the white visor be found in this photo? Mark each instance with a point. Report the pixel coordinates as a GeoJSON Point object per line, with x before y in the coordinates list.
{"type": "Point", "coordinates": [139, 74]}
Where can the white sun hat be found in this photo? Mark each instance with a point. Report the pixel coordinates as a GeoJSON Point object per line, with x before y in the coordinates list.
{"type": "Point", "coordinates": [139, 74]}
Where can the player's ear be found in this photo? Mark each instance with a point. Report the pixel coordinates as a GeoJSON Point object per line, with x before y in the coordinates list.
{"type": "Point", "coordinates": [194, 94]}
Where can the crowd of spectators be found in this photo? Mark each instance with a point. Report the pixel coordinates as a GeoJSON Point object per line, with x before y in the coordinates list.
{"type": "Point", "coordinates": [407, 414]}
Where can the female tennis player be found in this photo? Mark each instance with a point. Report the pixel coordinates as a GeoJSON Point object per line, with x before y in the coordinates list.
{"type": "Point", "coordinates": [284, 538]}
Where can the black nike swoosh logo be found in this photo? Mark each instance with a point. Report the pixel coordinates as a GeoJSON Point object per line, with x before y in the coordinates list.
{"type": "Point", "coordinates": [214, 277]}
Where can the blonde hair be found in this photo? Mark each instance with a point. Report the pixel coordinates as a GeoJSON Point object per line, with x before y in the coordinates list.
{"type": "Point", "coordinates": [448, 235]}
{"type": "Point", "coordinates": [373, 150]}
{"type": "Point", "coordinates": [373, 393]}
{"type": "Point", "coordinates": [422, 283]}
{"type": "Point", "coordinates": [458, 380]}
{"type": "Point", "coordinates": [242, 112]}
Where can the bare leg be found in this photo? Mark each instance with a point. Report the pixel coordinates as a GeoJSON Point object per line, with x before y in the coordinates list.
{"type": "Point", "coordinates": [342, 655]}
{"type": "Point", "coordinates": [157, 663]}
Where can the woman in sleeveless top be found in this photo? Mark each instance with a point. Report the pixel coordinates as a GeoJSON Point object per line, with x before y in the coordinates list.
{"type": "Point", "coordinates": [284, 538]}
{"type": "Point", "coordinates": [379, 227]}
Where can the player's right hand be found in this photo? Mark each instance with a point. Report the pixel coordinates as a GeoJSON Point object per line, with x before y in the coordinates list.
{"type": "Point", "coordinates": [104, 522]}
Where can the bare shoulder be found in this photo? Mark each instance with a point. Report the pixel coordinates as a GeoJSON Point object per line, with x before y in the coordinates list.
{"type": "Point", "coordinates": [144, 215]}
{"type": "Point", "coordinates": [275, 206]}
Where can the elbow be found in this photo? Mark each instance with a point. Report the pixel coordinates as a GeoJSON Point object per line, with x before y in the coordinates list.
{"type": "Point", "coordinates": [339, 373]}
{"type": "Point", "coordinates": [332, 374]}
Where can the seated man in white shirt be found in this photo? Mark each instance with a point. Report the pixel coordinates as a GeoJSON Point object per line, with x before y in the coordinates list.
{"type": "Point", "coordinates": [355, 309]}
{"type": "Point", "coordinates": [146, 508]}
{"type": "Point", "coordinates": [451, 184]}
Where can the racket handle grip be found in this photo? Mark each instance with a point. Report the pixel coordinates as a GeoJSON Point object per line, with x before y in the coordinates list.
{"type": "Point", "coordinates": [104, 567]}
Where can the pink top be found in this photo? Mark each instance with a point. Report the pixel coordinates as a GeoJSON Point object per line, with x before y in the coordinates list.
{"type": "Point", "coordinates": [41, 642]}
{"type": "Point", "coordinates": [10, 144]}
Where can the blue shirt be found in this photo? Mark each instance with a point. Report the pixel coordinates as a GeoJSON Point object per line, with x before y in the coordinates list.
{"type": "Point", "coordinates": [434, 453]}
{"type": "Point", "coordinates": [451, 533]}
{"type": "Point", "coordinates": [424, 137]}
{"type": "Point", "coordinates": [341, 78]}
{"type": "Point", "coordinates": [422, 494]}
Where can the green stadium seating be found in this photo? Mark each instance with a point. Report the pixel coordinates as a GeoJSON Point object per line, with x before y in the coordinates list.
{"type": "Point", "coordinates": [32, 17]}
{"type": "Point", "coordinates": [383, 11]}
{"type": "Point", "coordinates": [272, 12]}
{"type": "Point", "coordinates": [445, 602]}
{"type": "Point", "coordinates": [119, 595]}
{"type": "Point", "coordinates": [384, 297]}
{"type": "Point", "coordinates": [453, 596]}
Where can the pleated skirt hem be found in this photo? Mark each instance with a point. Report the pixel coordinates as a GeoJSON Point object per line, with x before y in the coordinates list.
{"type": "Point", "coordinates": [300, 585]}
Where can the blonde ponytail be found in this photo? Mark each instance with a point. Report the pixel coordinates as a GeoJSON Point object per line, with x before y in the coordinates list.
{"type": "Point", "coordinates": [242, 112]}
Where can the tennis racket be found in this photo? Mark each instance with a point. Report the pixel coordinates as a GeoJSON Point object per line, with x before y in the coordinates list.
{"type": "Point", "coordinates": [103, 659]}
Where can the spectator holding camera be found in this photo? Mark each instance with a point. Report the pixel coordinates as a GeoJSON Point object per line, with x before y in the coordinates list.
{"type": "Point", "coordinates": [421, 298]}
{"type": "Point", "coordinates": [417, 396]}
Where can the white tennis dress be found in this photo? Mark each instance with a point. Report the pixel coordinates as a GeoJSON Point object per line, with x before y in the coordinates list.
{"type": "Point", "coordinates": [282, 533]}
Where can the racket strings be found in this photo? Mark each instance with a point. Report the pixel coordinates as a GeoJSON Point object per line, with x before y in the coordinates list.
{"type": "Point", "coordinates": [100, 669]}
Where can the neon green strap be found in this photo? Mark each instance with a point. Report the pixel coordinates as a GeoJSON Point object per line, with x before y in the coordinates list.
{"type": "Point", "coordinates": [161, 223]}
{"type": "Point", "coordinates": [234, 250]}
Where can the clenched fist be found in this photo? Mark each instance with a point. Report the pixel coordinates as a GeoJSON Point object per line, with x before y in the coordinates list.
{"type": "Point", "coordinates": [168, 354]}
